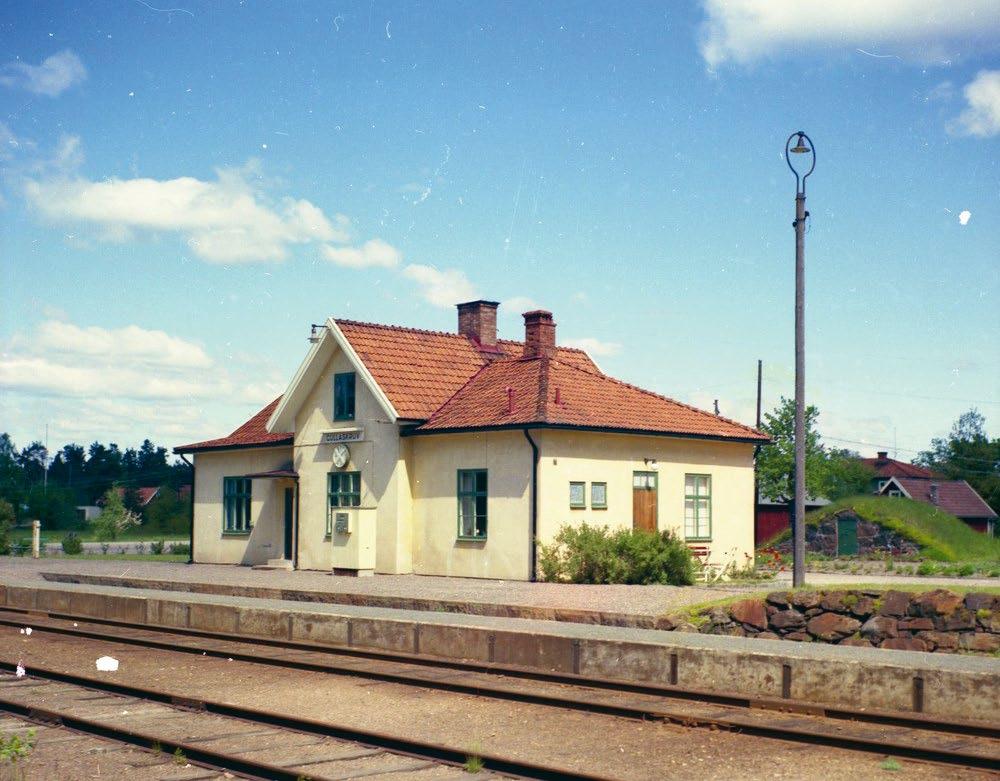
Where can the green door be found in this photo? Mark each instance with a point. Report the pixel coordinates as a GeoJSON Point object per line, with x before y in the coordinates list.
{"type": "Point", "coordinates": [847, 536]}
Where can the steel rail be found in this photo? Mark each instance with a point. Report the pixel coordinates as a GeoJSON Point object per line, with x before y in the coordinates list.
{"type": "Point", "coordinates": [897, 719]}
{"type": "Point", "coordinates": [393, 743]}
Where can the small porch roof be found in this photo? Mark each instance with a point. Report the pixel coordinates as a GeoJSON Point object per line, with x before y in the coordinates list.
{"type": "Point", "coordinates": [275, 474]}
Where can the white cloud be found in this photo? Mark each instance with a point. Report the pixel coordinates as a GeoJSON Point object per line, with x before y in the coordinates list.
{"type": "Point", "coordinates": [963, 218]}
{"type": "Point", "coordinates": [441, 288]}
{"type": "Point", "coordinates": [592, 346]}
{"type": "Point", "coordinates": [742, 31]}
{"type": "Point", "coordinates": [982, 117]}
{"type": "Point", "coordinates": [224, 221]}
{"type": "Point", "coordinates": [374, 253]}
{"type": "Point", "coordinates": [54, 76]}
{"type": "Point", "coordinates": [518, 305]}
{"type": "Point", "coordinates": [125, 384]}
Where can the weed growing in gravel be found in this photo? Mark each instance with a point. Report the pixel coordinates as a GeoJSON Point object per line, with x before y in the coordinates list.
{"type": "Point", "coordinates": [473, 764]}
{"type": "Point", "coordinates": [179, 758]}
{"type": "Point", "coordinates": [157, 747]}
{"type": "Point", "coordinates": [13, 750]}
{"type": "Point", "coordinates": [891, 765]}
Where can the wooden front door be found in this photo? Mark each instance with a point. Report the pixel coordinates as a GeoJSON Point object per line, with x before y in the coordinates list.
{"type": "Point", "coordinates": [644, 501]}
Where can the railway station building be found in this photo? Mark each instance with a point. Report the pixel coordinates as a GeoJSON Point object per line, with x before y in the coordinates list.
{"type": "Point", "coordinates": [399, 450]}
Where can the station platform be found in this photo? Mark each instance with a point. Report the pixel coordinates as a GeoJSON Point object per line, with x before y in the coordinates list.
{"type": "Point", "coordinates": [611, 605]}
{"type": "Point", "coordinates": [953, 686]}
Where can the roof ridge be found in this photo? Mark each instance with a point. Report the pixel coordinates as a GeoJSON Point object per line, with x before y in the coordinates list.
{"type": "Point", "coordinates": [658, 396]}
{"type": "Point", "coordinates": [431, 332]}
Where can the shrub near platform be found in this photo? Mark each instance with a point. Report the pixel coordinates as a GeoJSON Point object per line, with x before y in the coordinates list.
{"type": "Point", "coordinates": [595, 554]}
{"type": "Point", "coordinates": [939, 621]}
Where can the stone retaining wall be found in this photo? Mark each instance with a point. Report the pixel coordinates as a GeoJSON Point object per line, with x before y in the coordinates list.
{"type": "Point", "coordinates": [873, 538]}
{"type": "Point", "coordinates": [939, 621]}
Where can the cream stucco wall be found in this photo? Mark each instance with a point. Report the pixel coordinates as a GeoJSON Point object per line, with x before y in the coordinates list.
{"type": "Point", "coordinates": [434, 464]}
{"type": "Point", "coordinates": [267, 508]}
{"type": "Point", "coordinates": [567, 456]}
{"type": "Point", "coordinates": [380, 538]}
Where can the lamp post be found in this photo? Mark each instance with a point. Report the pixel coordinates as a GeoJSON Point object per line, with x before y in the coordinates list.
{"type": "Point", "coordinates": [803, 146]}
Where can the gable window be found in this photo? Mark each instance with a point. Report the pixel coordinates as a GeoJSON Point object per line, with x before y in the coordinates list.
{"type": "Point", "coordinates": [598, 496]}
{"type": "Point", "coordinates": [578, 496]}
{"type": "Point", "coordinates": [472, 504]}
{"type": "Point", "coordinates": [236, 493]}
{"type": "Point", "coordinates": [697, 507]}
{"type": "Point", "coordinates": [343, 489]}
{"type": "Point", "coordinates": [343, 396]}
{"type": "Point", "coordinates": [895, 492]}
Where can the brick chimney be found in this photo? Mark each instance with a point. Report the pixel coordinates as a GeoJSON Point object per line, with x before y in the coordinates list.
{"type": "Point", "coordinates": [883, 455]}
{"type": "Point", "coordinates": [539, 334]}
{"type": "Point", "coordinates": [477, 320]}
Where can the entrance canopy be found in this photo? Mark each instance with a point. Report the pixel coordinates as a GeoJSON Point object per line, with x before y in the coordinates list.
{"type": "Point", "coordinates": [275, 474]}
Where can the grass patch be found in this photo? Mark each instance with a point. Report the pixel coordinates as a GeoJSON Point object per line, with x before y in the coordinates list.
{"type": "Point", "coordinates": [87, 534]}
{"type": "Point", "coordinates": [941, 536]}
{"type": "Point", "coordinates": [181, 557]}
{"type": "Point", "coordinates": [891, 765]}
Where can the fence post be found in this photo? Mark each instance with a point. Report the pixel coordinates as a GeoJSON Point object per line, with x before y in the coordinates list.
{"type": "Point", "coordinates": [36, 538]}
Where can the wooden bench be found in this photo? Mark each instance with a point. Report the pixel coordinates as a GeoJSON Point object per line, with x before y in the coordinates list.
{"type": "Point", "coordinates": [702, 554]}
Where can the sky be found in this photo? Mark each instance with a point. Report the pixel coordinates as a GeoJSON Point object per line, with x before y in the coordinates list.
{"type": "Point", "coordinates": [186, 186]}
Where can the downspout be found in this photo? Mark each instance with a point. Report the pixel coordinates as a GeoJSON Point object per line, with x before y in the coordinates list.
{"type": "Point", "coordinates": [533, 521]}
{"type": "Point", "coordinates": [295, 549]}
{"type": "Point", "coordinates": [191, 541]}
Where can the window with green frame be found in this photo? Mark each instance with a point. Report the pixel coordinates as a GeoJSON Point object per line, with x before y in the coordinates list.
{"type": "Point", "coordinates": [343, 396]}
{"type": "Point", "coordinates": [577, 496]}
{"type": "Point", "coordinates": [472, 504]}
{"type": "Point", "coordinates": [343, 489]}
{"type": "Point", "coordinates": [697, 507]}
{"type": "Point", "coordinates": [236, 501]}
{"type": "Point", "coordinates": [598, 496]}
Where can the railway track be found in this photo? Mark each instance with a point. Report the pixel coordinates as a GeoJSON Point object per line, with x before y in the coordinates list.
{"type": "Point", "coordinates": [245, 741]}
{"type": "Point", "coordinates": [904, 735]}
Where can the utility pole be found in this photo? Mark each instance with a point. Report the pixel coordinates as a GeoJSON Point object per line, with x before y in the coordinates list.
{"type": "Point", "coordinates": [756, 452]}
{"type": "Point", "coordinates": [803, 146]}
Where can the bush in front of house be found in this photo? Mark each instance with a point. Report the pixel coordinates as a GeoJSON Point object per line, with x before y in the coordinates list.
{"type": "Point", "coordinates": [595, 554]}
{"type": "Point", "coordinates": [180, 549]}
{"type": "Point", "coordinates": [71, 544]}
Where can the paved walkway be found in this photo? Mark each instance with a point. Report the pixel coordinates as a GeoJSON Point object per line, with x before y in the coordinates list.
{"type": "Point", "coordinates": [632, 600]}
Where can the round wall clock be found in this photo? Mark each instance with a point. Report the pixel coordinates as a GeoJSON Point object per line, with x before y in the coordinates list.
{"type": "Point", "coordinates": [341, 455]}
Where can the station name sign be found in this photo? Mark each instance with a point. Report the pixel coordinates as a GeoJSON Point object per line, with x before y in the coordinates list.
{"type": "Point", "coordinates": [342, 435]}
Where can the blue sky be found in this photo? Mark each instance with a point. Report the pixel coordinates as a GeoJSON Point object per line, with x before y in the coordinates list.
{"type": "Point", "coordinates": [185, 190]}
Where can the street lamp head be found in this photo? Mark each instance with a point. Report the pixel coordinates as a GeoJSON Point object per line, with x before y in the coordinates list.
{"type": "Point", "coordinates": [803, 146]}
{"type": "Point", "coordinates": [800, 147]}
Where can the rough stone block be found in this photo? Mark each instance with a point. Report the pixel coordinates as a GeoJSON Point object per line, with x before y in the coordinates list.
{"type": "Point", "coordinates": [978, 600]}
{"type": "Point", "coordinates": [878, 628]}
{"type": "Point", "coordinates": [750, 612]}
{"type": "Point", "coordinates": [980, 641]}
{"type": "Point", "coordinates": [779, 598]}
{"type": "Point", "coordinates": [904, 644]}
{"type": "Point", "coordinates": [263, 623]}
{"type": "Point", "coordinates": [787, 619]}
{"type": "Point", "coordinates": [916, 624]}
{"type": "Point", "coordinates": [52, 601]}
{"type": "Point", "coordinates": [166, 612]}
{"type": "Point", "coordinates": [895, 603]}
{"type": "Point", "coordinates": [378, 633]}
{"type": "Point", "coordinates": [544, 651]}
{"type": "Point", "coordinates": [455, 642]}
{"type": "Point", "coordinates": [939, 602]}
{"type": "Point", "coordinates": [320, 628]}
{"type": "Point", "coordinates": [212, 618]}
{"type": "Point", "coordinates": [945, 641]}
{"type": "Point", "coordinates": [806, 600]}
{"type": "Point", "coordinates": [23, 598]}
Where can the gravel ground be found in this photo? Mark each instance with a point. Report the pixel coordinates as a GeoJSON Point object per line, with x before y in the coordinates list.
{"type": "Point", "coordinates": [637, 600]}
{"type": "Point", "coordinates": [601, 744]}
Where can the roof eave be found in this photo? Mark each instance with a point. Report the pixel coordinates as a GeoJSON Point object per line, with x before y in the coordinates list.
{"type": "Point", "coordinates": [216, 448]}
{"type": "Point", "coordinates": [573, 427]}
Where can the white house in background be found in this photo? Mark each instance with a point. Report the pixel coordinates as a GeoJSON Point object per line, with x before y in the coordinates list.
{"type": "Point", "coordinates": [399, 450]}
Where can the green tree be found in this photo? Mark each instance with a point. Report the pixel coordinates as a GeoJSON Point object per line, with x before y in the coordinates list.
{"type": "Point", "coordinates": [114, 518]}
{"type": "Point", "coordinates": [168, 514]}
{"type": "Point", "coordinates": [967, 453]}
{"type": "Point", "coordinates": [776, 461]}
{"type": "Point", "coordinates": [55, 507]}
{"type": "Point", "coordinates": [6, 524]}
{"type": "Point", "coordinates": [847, 475]}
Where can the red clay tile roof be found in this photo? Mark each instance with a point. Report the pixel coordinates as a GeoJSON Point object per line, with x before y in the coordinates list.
{"type": "Point", "coordinates": [553, 392]}
{"type": "Point", "coordinates": [420, 370]}
{"type": "Point", "coordinates": [253, 433]}
{"type": "Point", "coordinates": [889, 467]}
{"type": "Point", "coordinates": [954, 496]}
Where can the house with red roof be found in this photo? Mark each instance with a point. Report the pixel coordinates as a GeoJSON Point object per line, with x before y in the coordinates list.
{"type": "Point", "coordinates": [957, 497]}
{"type": "Point", "coordinates": [399, 450]}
